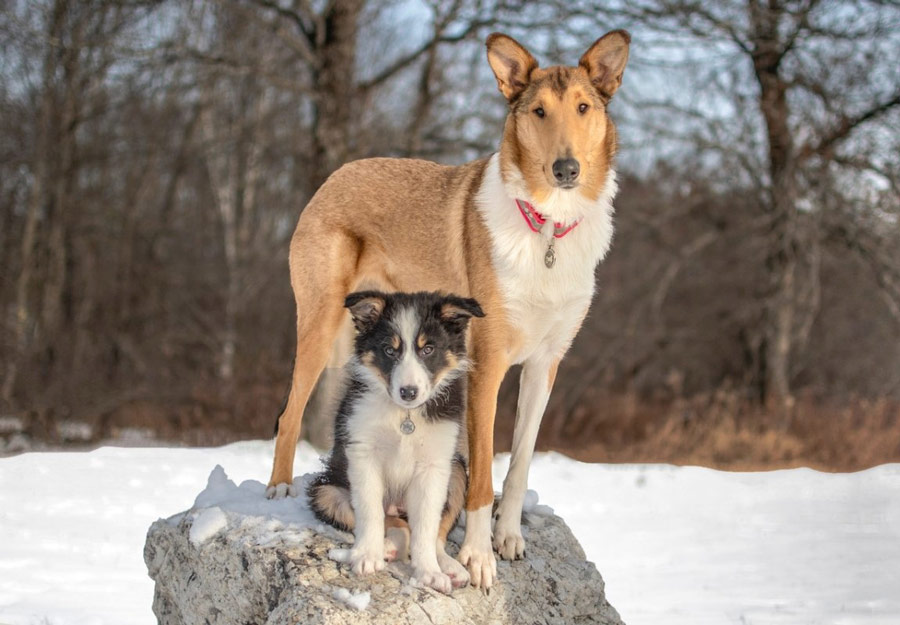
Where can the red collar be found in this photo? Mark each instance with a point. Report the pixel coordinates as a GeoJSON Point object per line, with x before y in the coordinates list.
{"type": "Point", "coordinates": [535, 220]}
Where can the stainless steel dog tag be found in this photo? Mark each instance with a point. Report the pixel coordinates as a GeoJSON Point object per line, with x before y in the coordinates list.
{"type": "Point", "coordinates": [550, 256]}
{"type": "Point", "coordinates": [407, 426]}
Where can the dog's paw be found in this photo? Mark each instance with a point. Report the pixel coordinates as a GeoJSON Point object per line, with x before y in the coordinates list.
{"type": "Point", "coordinates": [481, 563]}
{"type": "Point", "coordinates": [280, 491]}
{"type": "Point", "coordinates": [366, 561]}
{"type": "Point", "coordinates": [432, 579]}
{"type": "Point", "coordinates": [459, 576]}
{"type": "Point", "coordinates": [509, 542]}
{"type": "Point", "coordinates": [476, 553]}
{"type": "Point", "coordinates": [396, 544]}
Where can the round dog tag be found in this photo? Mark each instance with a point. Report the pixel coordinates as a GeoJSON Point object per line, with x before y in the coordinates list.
{"type": "Point", "coordinates": [407, 427]}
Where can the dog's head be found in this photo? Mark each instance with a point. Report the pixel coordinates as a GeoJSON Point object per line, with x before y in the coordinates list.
{"type": "Point", "coordinates": [558, 138]}
{"type": "Point", "coordinates": [411, 344]}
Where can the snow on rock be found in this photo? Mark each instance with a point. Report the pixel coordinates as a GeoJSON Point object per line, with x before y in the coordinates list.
{"type": "Point", "coordinates": [357, 601]}
{"type": "Point", "coordinates": [272, 563]}
{"type": "Point", "coordinates": [207, 524]}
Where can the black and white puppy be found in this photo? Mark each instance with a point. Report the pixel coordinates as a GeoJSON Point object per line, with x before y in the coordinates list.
{"type": "Point", "coordinates": [397, 432]}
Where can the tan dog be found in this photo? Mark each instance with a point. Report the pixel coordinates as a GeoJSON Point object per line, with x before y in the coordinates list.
{"type": "Point", "coordinates": [521, 231]}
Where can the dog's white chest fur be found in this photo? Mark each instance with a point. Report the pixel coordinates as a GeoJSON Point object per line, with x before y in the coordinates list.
{"type": "Point", "coordinates": [545, 304]}
{"type": "Point", "coordinates": [374, 437]}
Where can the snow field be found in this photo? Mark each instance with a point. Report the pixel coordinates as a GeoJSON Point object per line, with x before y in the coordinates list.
{"type": "Point", "coordinates": [676, 545]}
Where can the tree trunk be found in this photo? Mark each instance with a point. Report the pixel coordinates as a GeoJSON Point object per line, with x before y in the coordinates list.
{"type": "Point", "coordinates": [26, 317]}
{"type": "Point", "coordinates": [335, 92]}
{"type": "Point", "coordinates": [781, 260]}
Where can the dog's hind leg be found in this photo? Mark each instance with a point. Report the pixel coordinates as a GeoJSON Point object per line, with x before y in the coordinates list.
{"type": "Point", "coordinates": [535, 384]}
{"type": "Point", "coordinates": [323, 266]}
{"type": "Point", "coordinates": [331, 504]}
{"type": "Point", "coordinates": [456, 498]}
{"type": "Point", "coordinates": [396, 538]}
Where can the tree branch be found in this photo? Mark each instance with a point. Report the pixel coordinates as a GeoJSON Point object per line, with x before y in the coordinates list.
{"type": "Point", "coordinates": [846, 126]}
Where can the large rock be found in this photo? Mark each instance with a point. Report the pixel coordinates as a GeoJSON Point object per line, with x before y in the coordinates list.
{"type": "Point", "coordinates": [246, 560]}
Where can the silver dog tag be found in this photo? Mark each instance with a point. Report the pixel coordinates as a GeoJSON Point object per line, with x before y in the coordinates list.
{"type": "Point", "coordinates": [550, 256]}
{"type": "Point", "coordinates": [407, 426]}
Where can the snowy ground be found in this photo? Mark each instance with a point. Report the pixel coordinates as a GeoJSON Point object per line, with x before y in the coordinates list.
{"type": "Point", "coordinates": [677, 546]}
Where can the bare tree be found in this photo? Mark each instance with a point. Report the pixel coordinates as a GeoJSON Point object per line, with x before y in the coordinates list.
{"type": "Point", "coordinates": [800, 76]}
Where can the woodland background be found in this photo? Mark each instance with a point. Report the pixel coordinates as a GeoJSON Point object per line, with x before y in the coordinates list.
{"type": "Point", "coordinates": [154, 157]}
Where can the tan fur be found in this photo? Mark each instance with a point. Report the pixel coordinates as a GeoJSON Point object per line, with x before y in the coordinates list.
{"type": "Point", "coordinates": [533, 143]}
{"type": "Point", "coordinates": [410, 225]}
{"type": "Point", "coordinates": [456, 497]}
{"type": "Point", "coordinates": [336, 502]}
{"type": "Point", "coordinates": [395, 521]}
{"type": "Point", "coordinates": [551, 376]}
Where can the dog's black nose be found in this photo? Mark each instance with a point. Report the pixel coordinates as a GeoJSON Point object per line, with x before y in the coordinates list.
{"type": "Point", "coordinates": [408, 393]}
{"type": "Point", "coordinates": [566, 170]}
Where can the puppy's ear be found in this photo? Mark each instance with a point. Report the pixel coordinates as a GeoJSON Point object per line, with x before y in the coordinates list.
{"type": "Point", "coordinates": [511, 63]}
{"type": "Point", "coordinates": [605, 61]}
{"type": "Point", "coordinates": [456, 311]}
{"type": "Point", "coordinates": [365, 308]}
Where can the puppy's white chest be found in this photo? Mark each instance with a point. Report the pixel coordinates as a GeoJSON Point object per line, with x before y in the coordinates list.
{"type": "Point", "coordinates": [376, 430]}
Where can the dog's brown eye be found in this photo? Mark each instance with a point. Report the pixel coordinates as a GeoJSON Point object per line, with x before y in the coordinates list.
{"type": "Point", "coordinates": [539, 111]}
{"type": "Point", "coordinates": [390, 351]}
{"type": "Point", "coordinates": [582, 108]}
{"type": "Point", "coordinates": [428, 349]}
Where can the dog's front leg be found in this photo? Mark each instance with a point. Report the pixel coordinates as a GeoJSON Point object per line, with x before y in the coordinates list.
{"type": "Point", "coordinates": [535, 384]}
{"type": "Point", "coordinates": [425, 500]}
{"type": "Point", "coordinates": [484, 384]}
{"type": "Point", "coordinates": [367, 498]}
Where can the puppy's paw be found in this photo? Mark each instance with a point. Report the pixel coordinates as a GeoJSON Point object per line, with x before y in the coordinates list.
{"type": "Point", "coordinates": [396, 544]}
{"type": "Point", "coordinates": [508, 541]}
{"type": "Point", "coordinates": [481, 564]}
{"type": "Point", "coordinates": [281, 490]}
{"type": "Point", "coordinates": [433, 579]}
{"type": "Point", "coordinates": [365, 561]}
{"type": "Point", "coordinates": [459, 576]}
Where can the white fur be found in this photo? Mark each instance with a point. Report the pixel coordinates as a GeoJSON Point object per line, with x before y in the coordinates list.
{"type": "Point", "coordinates": [546, 305]}
{"type": "Point", "coordinates": [533, 395]}
{"type": "Point", "coordinates": [410, 371]}
{"type": "Point", "coordinates": [475, 552]}
{"type": "Point", "coordinates": [388, 468]}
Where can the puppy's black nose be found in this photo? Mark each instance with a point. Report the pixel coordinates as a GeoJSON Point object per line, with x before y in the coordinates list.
{"type": "Point", "coordinates": [566, 170]}
{"type": "Point", "coordinates": [408, 393]}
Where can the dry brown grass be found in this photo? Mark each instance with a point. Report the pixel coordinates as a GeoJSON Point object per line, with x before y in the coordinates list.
{"type": "Point", "coordinates": [722, 431]}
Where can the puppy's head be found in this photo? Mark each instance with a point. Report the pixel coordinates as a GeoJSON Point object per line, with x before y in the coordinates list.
{"type": "Point", "coordinates": [411, 344]}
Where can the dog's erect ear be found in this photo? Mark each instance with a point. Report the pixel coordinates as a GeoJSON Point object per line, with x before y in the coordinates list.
{"type": "Point", "coordinates": [512, 64]}
{"type": "Point", "coordinates": [365, 308]}
{"type": "Point", "coordinates": [456, 311]}
{"type": "Point", "coordinates": [605, 61]}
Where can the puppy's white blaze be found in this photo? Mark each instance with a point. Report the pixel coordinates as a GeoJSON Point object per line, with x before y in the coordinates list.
{"type": "Point", "coordinates": [410, 371]}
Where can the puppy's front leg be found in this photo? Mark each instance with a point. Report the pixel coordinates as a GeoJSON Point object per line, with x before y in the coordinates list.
{"type": "Point", "coordinates": [367, 498]}
{"type": "Point", "coordinates": [425, 501]}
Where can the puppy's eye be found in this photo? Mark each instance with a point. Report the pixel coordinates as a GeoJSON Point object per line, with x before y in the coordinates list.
{"type": "Point", "coordinates": [390, 351]}
{"type": "Point", "coordinates": [582, 108]}
{"type": "Point", "coordinates": [539, 111]}
{"type": "Point", "coordinates": [428, 350]}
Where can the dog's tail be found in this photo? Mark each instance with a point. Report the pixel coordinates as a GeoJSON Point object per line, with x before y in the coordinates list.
{"type": "Point", "coordinates": [331, 503]}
